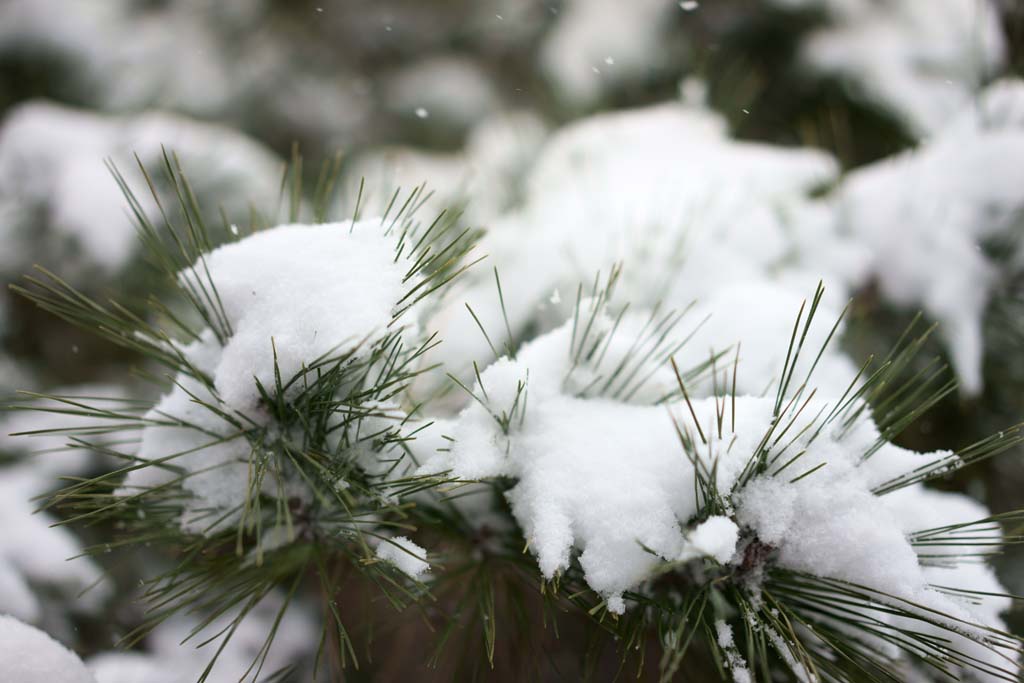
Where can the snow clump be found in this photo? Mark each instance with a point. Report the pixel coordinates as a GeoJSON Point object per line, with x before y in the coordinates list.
{"type": "Point", "coordinates": [290, 298]}
{"type": "Point", "coordinates": [28, 655]}
{"type": "Point", "coordinates": [404, 555]}
{"type": "Point", "coordinates": [608, 483]}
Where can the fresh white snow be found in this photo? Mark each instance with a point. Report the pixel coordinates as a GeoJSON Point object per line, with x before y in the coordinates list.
{"type": "Point", "coordinates": [404, 555]}
{"type": "Point", "coordinates": [293, 296]}
{"type": "Point", "coordinates": [607, 483]}
{"type": "Point", "coordinates": [28, 655]}
{"type": "Point", "coordinates": [926, 215]}
{"type": "Point", "coordinates": [923, 62]}
{"type": "Point", "coordinates": [52, 161]}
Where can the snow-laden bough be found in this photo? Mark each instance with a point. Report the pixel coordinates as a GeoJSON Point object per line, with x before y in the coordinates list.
{"type": "Point", "coordinates": [787, 498]}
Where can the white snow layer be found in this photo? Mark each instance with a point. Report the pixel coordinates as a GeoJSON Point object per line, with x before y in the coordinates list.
{"type": "Point", "coordinates": [609, 480]}
{"type": "Point", "coordinates": [35, 553]}
{"type": "Point", "coordinates": [293, 296]}
{"type": "Point", "coordinates": [921, 61]}
{"type": "Point", "coordinates": [926, 214]}
{"type": "Point", "coordinates": [405, 555]}
{"type": "Point", "coordinates": [695, 216]}
{"type": "Point", "coordinates": [598, 44]}
{"type": "Point", "coordinates": [686, 210]}
{"type": "Point", "coordinates": [170, 660]}
{"type": "Point", "coordinates": [52, 162]}
{"type": "Point", "coordinates": [483, 179]}
{"type": "Point", "coordinates": [316, 291]}
{"type": "Point", "coordinates": [28, 655]}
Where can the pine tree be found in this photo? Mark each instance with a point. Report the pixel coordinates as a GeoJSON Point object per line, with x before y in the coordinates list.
{"type": "Point", "coordinates": [293, 452]}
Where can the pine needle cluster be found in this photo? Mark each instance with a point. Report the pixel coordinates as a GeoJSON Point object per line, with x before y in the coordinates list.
{"type": "Point", "coordinates": [748, 620]}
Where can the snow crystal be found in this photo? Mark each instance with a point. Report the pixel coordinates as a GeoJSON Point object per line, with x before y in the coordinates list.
{"type": "Point", "coordinates": [28, 655]}
{"type": "Point", "coordinates": [405, 555]}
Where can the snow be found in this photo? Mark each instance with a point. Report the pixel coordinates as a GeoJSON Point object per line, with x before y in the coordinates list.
{"type": "Point", "coordinates": [574, 483]}
{"type": "Point", "coordinates": [733, 658]}
{"type": "Point", "coordinates": [483, 179]}
{"type": "Point", "coordinates": [170, 660]}
{"type": "Point", "coordinates": [405, 555]}
{"type": "Point", "coordinates": [757, 318]}
{"type": "Point", "coordinates": [715, 537]}
{"type": "Point", "coordinates": [949, 197]}
{"type": "Point", "coordinates": [316, 292]}
{"type": "Point", "coordinates": [28, 655]}
{"type": "Point", "coordinates": [721, 239]}
{"type": "Point", "coordinates": [209, 453]}
{"type": "Point", "coordinates": [600, 480]}
{"type": "Point", "coordinates": [35, 553]}
{"type": "Point", "coordinates": [51, 163]}
{"type": "Point", "coordinates": [686, 210]}
{"type": "Point", "coordinates": [827, 526]}
{"type": "Point", "coordinates": [921, 61]}
{"type": "Point", "coordinates": [636, 35]}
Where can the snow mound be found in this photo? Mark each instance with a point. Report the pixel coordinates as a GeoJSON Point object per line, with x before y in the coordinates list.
{"type": "Point", "coordinates": [28, 655]}
{"type": "Point", "coordinates": [292, 297]}
{"type": "Point", "coordinates": [927, 215]}
{"type": "Point", "coordinates": [598, 45]}
{"type": "Point", "coordinates": [921, 61]}
{"type": "Point", "coordinates": [609, 484]}
{"type": "Point", "coordinates": [664, 191]}
{"type": "Point", "coordinates": [52, 164]}
{"type": "Point", "coordinates": [171, 659]}
{"type": "Point", "coordinates": [33, 553]}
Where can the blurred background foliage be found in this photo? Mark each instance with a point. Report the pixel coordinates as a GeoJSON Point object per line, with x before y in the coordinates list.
{"type": "Point", "coordinates": [353, 76]}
